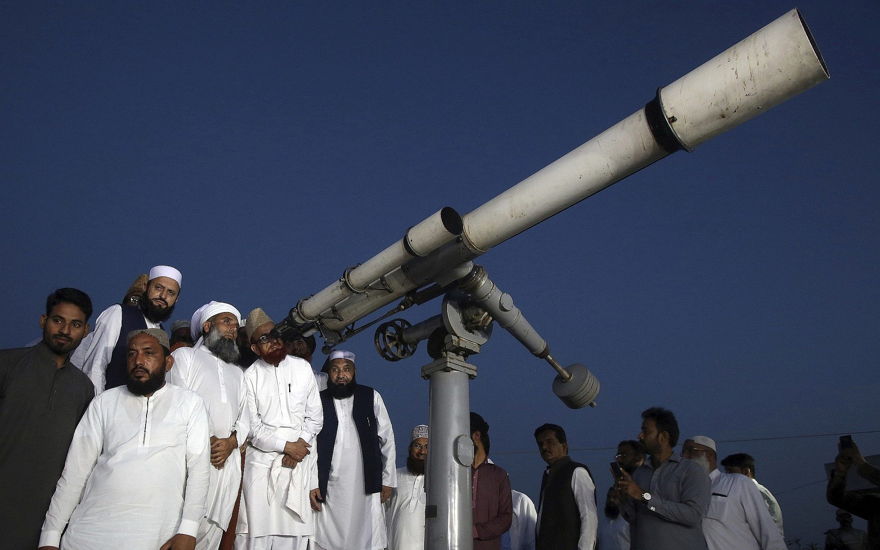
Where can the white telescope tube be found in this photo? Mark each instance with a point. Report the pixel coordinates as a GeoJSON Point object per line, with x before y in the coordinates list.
{"type": "Point", "coordinates": [770, 66]}
{"type": "Point", "coordinates": [420, 240]}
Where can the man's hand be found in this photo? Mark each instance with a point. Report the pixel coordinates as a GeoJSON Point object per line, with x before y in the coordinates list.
{"type": "Point", "coordinates": [385, 494]}
{"type": "Point", "coordinates": [180, 542]}
{"type": "Point", "coordinates": [627, 487]}
{"type": "Point", "coordinates": [297, 450]}
{"type": "Point", "coordinates": [315, 498]}
{"type": "Point", "coordinates": [288, 462]}
{"type": "Point", "coordinates": [221, 448]}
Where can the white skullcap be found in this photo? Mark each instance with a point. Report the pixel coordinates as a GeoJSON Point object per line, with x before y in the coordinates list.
{"type": "Point", "coordinates": [419, 431]}
{"type": "Point", "coordinates": [213, 308]}
{"type": "Point", "coordinates": [705, 441]}
{"type": "Point", "coordinates": [341, 354]}
{"type": "Point", "coordinates": [180, 323]}
{"type": "Point", "coordinates": [166, 271]}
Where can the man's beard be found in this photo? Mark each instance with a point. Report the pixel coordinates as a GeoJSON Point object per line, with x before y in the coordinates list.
{"type": "Point", "coordinates": [341, 391]}
{"type": "Point", "coordinates": [416, 466]}
{"type": "Point", "coordinates": [224, 348]}
{"type": "Point", "coordinates": [275, 356]}
{"type": "Point", "coordinates": [59, 344]}
{"type": "Point", "coordinates": [151, 384]}
{"type": "Point", "coordinates": [703, 461]}
{"type": "Point", "coordinates": [154, 313]}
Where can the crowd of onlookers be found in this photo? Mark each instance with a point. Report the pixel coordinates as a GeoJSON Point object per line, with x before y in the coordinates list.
{"type": "Point", "coordinates": [221, 435]}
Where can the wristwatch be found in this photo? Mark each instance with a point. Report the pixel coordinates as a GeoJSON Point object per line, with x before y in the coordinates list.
{"type": "Point", "coordinates": [646, 498]}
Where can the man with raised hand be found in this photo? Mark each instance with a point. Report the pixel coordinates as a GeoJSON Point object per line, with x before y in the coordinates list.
{"type": "Point", "coordinates": [102, 354]}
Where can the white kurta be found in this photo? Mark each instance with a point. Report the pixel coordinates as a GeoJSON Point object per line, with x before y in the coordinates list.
{"type": "Point", "coordinates": [282, 405]}
{"type": "Point", "coordinates": [521, 535]}
{"type": "Point", "coordinates": [221, 386]}
{"type": "Point", "coordinates": [94, 352]}
{"type": "Point", "coordinates": [737, 518]}
{"type": "Point", "coordinates": [772, 505]}
{"type": "Point", "coordinates": [136, 473]}
{"type": "Point", "coordinates": [350, 519]}
{"type": "Point", "coordinates": [405, 512]}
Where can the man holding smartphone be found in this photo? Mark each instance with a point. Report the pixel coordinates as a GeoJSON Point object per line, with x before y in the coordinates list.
{"type": "Point", "coordinates": [567, 506]}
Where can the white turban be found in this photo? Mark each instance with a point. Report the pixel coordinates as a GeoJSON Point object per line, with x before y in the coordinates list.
{"type": "Point", "coordinates": [195, 326]}
{"type": "Point", "coordinates": [341, 354]}
{"type": "Point", "coordinates": [214, 308]}
{"type": "Point", "coordinates": [166, 271]}
{"type": "Point", "coordinates": [419, 431]}
{"type": "Point", "coordinates": [206, 312]}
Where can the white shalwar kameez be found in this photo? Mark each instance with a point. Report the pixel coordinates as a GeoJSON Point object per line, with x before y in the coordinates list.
{"type": "Point", "coordinates": [349, 518]}
{"type": "Point", "coordinates": [282, 405]}
{"type": "Point", "coordinates": [136, 473]}
{"type": "Point", "coordinates": [221, 386]}
{"type": "Point", "coordinates": [95, 351]}
{"type": "Point", "coordinates": [405, 512]}
{"type": "Point", "coordinates": [521, 535]}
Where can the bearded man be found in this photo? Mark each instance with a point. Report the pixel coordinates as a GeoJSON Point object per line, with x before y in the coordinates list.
{"type": "Point", "coordinates": [356, 470]}
{"type": "Point", "coordinates": [209, 371]}
{"type": "Point", "coordinates": [405, 513]}
{"type": "Point", "coordinates": [42, 398]}
{"type": "Point", "coordinates": [285, 415]}
{"type": "Point", "coordinates": [102, 354]}
{"type": "Point", "coordinates": [737, 518]}
{"type": "Point", "coordinates": [136, 475]}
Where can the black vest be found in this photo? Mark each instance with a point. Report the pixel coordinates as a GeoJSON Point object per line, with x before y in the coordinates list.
{"type": "Point", "coordinates": [117, 370]}
{"type": "Point", "coordinates": [368, 434]}
{"type": "Point", "coordinates": [560, 526]}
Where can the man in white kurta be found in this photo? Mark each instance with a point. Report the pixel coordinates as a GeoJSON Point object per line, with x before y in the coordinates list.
{"type": "Point", "coordinates": [405, 510]}
{"type": "Point", "coordinates": [221, 385]}
{"type": "Point", "coordinates": [521, 535]}
{"type": "Point", "coordinates": [96, 352]}
{"type": "Point", "coordinates": [285, 416]}
{"type": "Point", "coordinates": [737, 518]}
{"type": "Point", "coordinates": [136, 475]}
{"type": "Point", "coordinates": [349, 516]}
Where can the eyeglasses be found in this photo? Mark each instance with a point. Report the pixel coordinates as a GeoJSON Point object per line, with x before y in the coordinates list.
{"type": "Point", "coordinates": [420, 447]}
{"type": "Point", "coordinates": [266, 338]}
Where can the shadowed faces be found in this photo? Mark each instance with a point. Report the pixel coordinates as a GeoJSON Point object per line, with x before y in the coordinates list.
{"type": "Point", "coordinates": [549, 446]}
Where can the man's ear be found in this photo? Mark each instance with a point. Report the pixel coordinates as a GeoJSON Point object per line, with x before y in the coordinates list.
{"type": "Point", "coordinates": [43, 321]}
{"type": "Point", "coordinates": [169, 362]}
{"type": "Point", "coordinates": [206, 327]}
{"type": "Point", "coordinates": [254, 349]}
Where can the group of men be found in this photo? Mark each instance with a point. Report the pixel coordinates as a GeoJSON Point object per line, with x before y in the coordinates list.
{"type": "Point", "coordinates": [113, 440]}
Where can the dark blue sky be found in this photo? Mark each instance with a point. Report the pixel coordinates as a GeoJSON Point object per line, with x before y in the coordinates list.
{"type": "Point", "coordinates": [263, 149]}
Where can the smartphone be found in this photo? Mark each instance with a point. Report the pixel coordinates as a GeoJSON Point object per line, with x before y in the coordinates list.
{"type": "Point", "coordinates": [615, 467]}
{"type": "Point", "coordinates": [846, 442]}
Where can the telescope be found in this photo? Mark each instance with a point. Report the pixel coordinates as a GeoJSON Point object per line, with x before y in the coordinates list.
{"type": "Point", "coordinates": [435, 257]}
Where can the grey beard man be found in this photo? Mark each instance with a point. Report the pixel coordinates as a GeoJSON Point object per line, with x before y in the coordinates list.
{"type": "Point", "coordinates": [224, 348]}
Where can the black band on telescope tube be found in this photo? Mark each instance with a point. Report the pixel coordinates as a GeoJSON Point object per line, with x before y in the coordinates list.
{"type": "Point", "coordinates": [663, 133]}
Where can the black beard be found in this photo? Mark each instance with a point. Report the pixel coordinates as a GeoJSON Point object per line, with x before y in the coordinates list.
{"type": "Point", "coordinates": [224, 348]}
{"type": "Point", "coordinates": [416, 466]}
{"type": "Point", "coordinates": [151, 384]}
{"type": "Point", "coordinates": [154, 313]}
{"type": "Point", "coordinates": [341, 391]}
